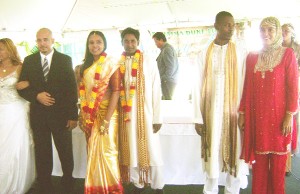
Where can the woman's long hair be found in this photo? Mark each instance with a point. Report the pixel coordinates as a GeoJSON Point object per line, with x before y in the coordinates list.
{"type": "Point", "coordinates": [12, 51]}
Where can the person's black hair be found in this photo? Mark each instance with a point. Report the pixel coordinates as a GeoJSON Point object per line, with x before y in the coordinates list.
{"type": "Point", "coordinates": [221, 15]}
{"type": "Point", "coordinates": [89, 58]}
{"type": "Point", "coordinates": [129, 30]}
{"type": "Point", "coordinates": [160, 36]}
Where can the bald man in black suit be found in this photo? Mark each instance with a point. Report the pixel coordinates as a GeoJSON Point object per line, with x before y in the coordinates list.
{"type": "Point", "coordinates": [53, 111]}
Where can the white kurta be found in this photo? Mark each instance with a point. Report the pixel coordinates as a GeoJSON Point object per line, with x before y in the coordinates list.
{"type": "Point", "coordinates": [214, 165]}
{"type": "Point", "coordinates": [151, 108]}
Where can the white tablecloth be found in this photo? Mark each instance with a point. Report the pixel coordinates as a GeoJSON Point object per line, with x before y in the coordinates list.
{"type": "Point", "coordinates": [180, 146]}
{"type": "Point", "coordinates": [79, 152]}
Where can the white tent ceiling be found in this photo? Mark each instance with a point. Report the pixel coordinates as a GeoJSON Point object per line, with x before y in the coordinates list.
{"type": "Point", "coordinates": [79, 15]}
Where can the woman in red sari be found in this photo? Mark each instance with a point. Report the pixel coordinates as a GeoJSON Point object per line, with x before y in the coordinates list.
{"type": "Point", "coordinates": [269, 101]}
{"type": "Point", "coordinates": [99, 94]}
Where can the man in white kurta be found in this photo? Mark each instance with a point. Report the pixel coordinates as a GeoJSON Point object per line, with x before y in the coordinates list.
{"type": "Point", "coordinates": [214, 164]}
{"type": "Point", "coordinates": [153, 119]}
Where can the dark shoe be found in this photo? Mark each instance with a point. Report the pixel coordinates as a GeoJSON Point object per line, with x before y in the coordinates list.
{"type": "Point", "coordinates": [67, 184]}
{"type": "Point", "coordinates": [137, 190]}
{"type": "Point", "coordinates": [43, 186]}
{"type": "Point", "coordinates": [44, 189]}
{"type": "Point", "coordinates": [159, 191]}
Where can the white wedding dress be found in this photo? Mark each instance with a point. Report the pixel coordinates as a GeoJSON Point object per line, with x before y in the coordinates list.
{"type": "Point", "coordinates": [17, 165]}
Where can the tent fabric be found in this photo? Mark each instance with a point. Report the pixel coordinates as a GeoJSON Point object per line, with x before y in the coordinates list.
{"type": "Point", "coordinates": [78, 15]}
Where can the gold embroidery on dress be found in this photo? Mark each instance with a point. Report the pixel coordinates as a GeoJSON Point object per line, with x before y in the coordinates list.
{"type": "Point", "coordinates": [272, 152]}
{"type": "Point", "coordinates": [267, 61]}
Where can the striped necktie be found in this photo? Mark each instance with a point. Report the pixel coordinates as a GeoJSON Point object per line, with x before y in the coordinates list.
{"type": "Point", "coordinates": [45, 68]}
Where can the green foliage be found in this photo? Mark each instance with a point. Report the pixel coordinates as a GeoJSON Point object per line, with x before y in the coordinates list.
{"type": "Point", "coordinates": [35, 49]}
{"type": "Point", "coordinates": [31, 50]}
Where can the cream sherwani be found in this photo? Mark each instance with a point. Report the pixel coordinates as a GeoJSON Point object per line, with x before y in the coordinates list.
{"type": "Point", "coordinates": [214, 165]}
{"type": "Point", "coordinates": [152, 116]}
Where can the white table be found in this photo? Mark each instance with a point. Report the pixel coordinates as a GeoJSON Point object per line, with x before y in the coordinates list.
{"type": "Point", "coordinates": [79, 152]}
{"type": "Point", "coordinates": [180, 146]}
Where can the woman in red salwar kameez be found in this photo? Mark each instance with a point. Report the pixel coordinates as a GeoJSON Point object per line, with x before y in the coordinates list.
{"type": "Point", "coordinates": [269, 101]}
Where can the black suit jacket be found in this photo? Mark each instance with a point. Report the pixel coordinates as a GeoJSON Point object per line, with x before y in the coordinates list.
{"type": "Point", "coordinates": [61, 85]}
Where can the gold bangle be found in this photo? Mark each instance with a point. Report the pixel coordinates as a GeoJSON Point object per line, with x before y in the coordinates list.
{"type": "Point", "coordinates": [105, 121]}
{"type": "Point", "coordinates": [103, 128]}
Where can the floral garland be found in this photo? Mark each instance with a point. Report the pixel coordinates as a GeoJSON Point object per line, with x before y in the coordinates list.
{"type": "Point", "coordinates": [127, 103]}
{"type": "Point", "coordinates": [90, 108]}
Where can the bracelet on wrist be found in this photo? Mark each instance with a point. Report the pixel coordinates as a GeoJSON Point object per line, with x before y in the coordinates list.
{"type": "Point", "coordinates": [104, 127]}
{"type": "Point", "coordinates": [289, 113]}
{"type": "Point", "coordinates": [105, 121]}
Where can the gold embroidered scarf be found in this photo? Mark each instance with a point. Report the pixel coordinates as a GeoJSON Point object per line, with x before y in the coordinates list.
{"type": "Point", "coordinates": [143, 154]}
{"type": "Point", "coordinates": [229, 130]}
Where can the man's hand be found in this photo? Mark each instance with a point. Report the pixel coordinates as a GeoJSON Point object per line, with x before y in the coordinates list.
{"type": "Point", "coordinates": [200, 128]}
{"type": "Point", "coordinates": [22, 85]}
{"type": "Point", "coordinates": [71, 124]}
{"type": "Point", "coordinates": [241, 121]}
{"type": "Point", "coordinates": [45, 99]}
{"type": "Point", "coordinates": [156, 127]}
{"type": "Point", "coordinates": [287, 124]}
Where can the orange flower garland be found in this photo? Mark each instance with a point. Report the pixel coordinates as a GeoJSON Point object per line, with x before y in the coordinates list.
{"type": "Point", "coordinates": [127, 103]}
{"type": "Point", "coordinates": [90, 108]}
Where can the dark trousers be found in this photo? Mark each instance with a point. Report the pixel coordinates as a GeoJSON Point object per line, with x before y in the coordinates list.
{"type": "Point", "coordinates": [44, 158]}
{"type": "Point", "coordinates": [167, 90]}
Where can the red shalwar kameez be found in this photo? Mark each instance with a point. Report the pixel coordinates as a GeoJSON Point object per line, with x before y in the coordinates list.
{"type": "Point", "coordinates": [265, 102]}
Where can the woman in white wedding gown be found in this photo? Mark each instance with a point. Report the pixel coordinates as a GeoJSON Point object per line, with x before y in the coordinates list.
{"type": "Point", "coordinates": [17, 166]}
